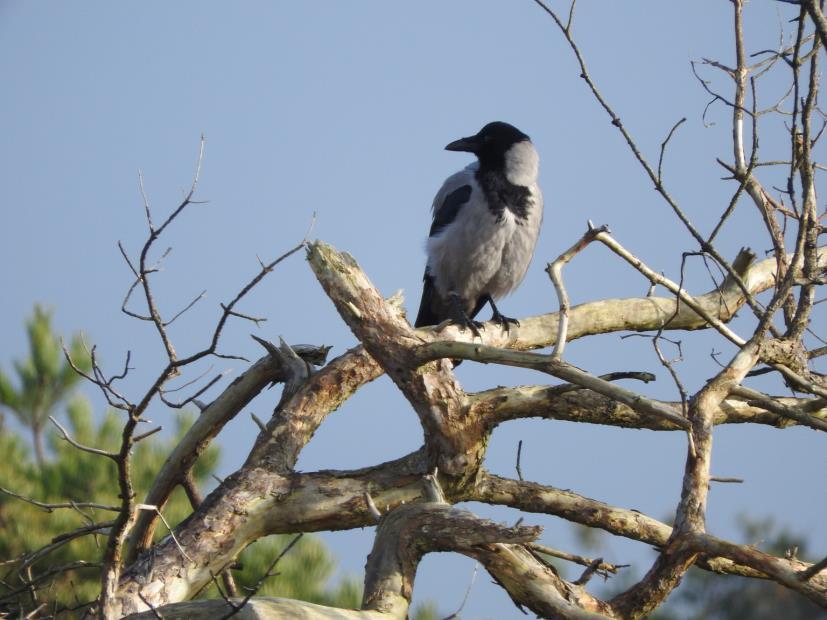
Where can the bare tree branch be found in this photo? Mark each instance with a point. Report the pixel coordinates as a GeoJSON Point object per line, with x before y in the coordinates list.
{"type": "Point", "coordinates": [555, 272]}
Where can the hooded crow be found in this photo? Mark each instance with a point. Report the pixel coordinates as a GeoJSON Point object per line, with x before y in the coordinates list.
{"type": "Point", "coordinates": [486, 219]}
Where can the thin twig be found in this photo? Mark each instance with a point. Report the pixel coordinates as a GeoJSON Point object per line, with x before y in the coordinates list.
{"type": "Point", "coordinates": [663, 147]}
{"type": "Point", "coordinates": [80, 446]}
{"type": "Point", "coordinates": [152, 608]}
{"type": "Point", "coordinates": [813, 570]}
{"type": "Point", "coordinates": [757, 399]}
{"type": "Point", "coordinates": [186, 401]}
{"type": "Point", "coordinates": [143, 436]}
{"type": "Point", "coordinates": [53, 507]}
{"type": "Point", "coordinates": [588, 573]}
{"type": "Point", "coordinates": [519, 454]}
{"type": "Point", "coordinates": [655, 277]}
{"type": "Point", "coordinates": [237, 607]}
{"type": "Point", "coordinates": [259, 422]}
{"type": "Point", "coordinates": [228, 309]}
{"type": "Point", "coordinates": [577, 559]}
{"type": "Point", "coordinates": [555, 272]}
{"type": "Point", "coordinates": [166, 523]}
{"type": "Point", "coordinates": [188, 306]}
{"type": "Point", "coordinates": [726, 480]}
{"type": "Point", "coordinates": [62, 539]}
{"type": "Point", "coordinates": [467, 594]}
{"type": "Point", "coordinates": [372, 508]}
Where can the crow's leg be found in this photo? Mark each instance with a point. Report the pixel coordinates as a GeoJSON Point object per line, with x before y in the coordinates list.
{"type": "Point", "coordinates": [498, 317]}
{"type": "Point", "coordinates": [461, 317]}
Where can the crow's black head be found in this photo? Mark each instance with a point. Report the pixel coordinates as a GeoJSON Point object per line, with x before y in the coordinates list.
{"type": "Point", "coordinates": [491, 143]}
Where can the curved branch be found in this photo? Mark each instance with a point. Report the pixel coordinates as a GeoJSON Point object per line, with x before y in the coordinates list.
{"type": "Point", "coordinates": [716, 556]}
{"type": "Point", "coordinates": [208, 424]}
{"type": "Point", "coordinates": [409, 532]}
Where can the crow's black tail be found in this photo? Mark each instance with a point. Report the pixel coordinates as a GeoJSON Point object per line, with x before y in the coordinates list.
{"type": "Point", "coordinates": [433, 309]}
{"type": "Point", "coordinates": [430, 305]}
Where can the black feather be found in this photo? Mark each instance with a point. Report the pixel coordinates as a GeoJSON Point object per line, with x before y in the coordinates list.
{"type": "Point", "coordinates": [430, 305]}
{"type": "Point", "coordinates": [479, 306]}
{"type": "Point", "coordinates": [432, 308]}
{"type": "Point", "coordinates": [502, 194]}
{"type": "Point", "coordinates": [449, 209]}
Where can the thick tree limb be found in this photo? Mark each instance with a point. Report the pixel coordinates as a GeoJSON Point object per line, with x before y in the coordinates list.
{"type": "Point", "coordinates": [453, 440]}
{"type": "Point", "coordinates": [404, 536]}
{"type": "Point", "coordinates": [556, 368]}
{"type": "Point", "coordinates": [781, 570]}
{"type": "Point", "coordinates": [409, 532]}
{"type": "Point", "coordinates": [206, 427]}
{"type": "Point", "coordinates": [582, 405]}
{"type": "Point", "coordinates": [535, 585]}
{"type": "Point", "coordinates": [335, 500]}
{"type": "Point", "coordinates": [255, 502]}
{"type": "Point", "coordinates": [635, 314]}
{"type": "Point", "coordinates": [533, 497]}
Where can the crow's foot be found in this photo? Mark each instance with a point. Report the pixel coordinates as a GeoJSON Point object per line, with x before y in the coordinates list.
{"type": "Point", "coordinates": [474, 326]}
{"type": "Point", "coordinates": [498, 317]}
{"type": "Point", "coordinates": [461, 318]}
{"type": "Point", "coordinates": [505, 321]}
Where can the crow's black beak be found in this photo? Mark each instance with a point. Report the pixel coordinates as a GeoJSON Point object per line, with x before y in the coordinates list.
{"type": "Point", "coordinates": [467, 145]}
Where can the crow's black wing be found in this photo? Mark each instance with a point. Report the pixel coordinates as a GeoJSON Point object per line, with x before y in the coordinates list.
{"type": "Point", "coordinates": [449, 209]}
{"type": "Point", "coordinates": [432, 308]}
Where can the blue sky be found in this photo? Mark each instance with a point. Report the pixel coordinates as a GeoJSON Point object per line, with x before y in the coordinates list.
{"type": "Point", "coordinates": [343, 109]}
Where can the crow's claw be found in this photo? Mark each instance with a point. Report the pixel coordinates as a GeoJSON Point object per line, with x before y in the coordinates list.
{"type": "Point", "coordinates": [461, 318]}
{"type": "Point", "coordinates": [505, 321]}
{"type": "Point", "coordinates": [474, 326]}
